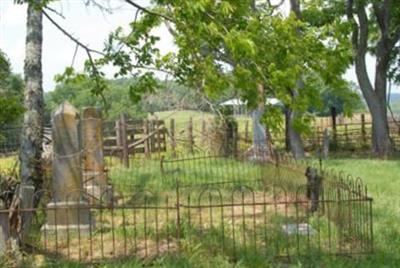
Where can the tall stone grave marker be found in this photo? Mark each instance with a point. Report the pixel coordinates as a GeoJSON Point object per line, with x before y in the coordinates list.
{"type": "Point", "coordinates": [68, 209]}
{"type": "Point", "coordinates": [94, 177]}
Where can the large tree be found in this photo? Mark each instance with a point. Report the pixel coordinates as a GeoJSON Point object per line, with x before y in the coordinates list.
{"type": "Point", "coordinates": [32, 132]}
{"type": "Point", "coordinates": [377, 29]}
{"type": "Point", "coordinates": [373, 28]}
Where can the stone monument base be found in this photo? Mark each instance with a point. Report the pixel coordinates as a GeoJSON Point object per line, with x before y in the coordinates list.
{"type": "Point", "coordinates": [66, 216]}
{"type": "Point", "coordinates": [99, 194]}
{"type": "Point", "coordinates": [96, 187]}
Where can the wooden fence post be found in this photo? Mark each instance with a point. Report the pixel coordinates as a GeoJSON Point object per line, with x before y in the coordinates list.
{"type": "Point", "coordinates": [151, 139]}
{"type": "Point", "coordinates": [318, 136]}
{"type": "Point", "coordinates": [363, 133]}
{"type": "Point", "coordinates": [118, 139]}
{"type": "Point", "coordinates": [325, 144]}
{"type": "Point", "coordinates": [172, 136]}
{"type": "Point", "coordinates": [203, 132]}
{"type": "Point", "coordinates": [334, 129]}
{"type": "Point", "coordinates": [246, 131]}
{"type": "Point", "coordinates": [235, 141]}
{"type": "Point", "coordinates": [146, 143]}
{"type": "Point", "coordinates": [124, 139]}
{"type": "Point", "coordinates": [346, 133]}
{"type": "Point", "coordinates": [190, 135]}
{"type": "Point", "coordinates": [158, 137]}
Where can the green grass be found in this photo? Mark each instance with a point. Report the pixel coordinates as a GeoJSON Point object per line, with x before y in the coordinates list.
{"type": "Point", "coordinates": [381, 176]}
{"type": "Point", "coordinates": [182, 118]}
{"type": "Point", "coordinates": [8, 164]}
{"type": "Point", "coordinates": [383, 182]}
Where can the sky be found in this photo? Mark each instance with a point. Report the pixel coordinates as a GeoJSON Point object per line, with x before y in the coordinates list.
{"type": "Point", "coordinates": [90, 25]}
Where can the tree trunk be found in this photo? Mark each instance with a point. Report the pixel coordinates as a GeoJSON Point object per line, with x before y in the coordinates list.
{"type": "Point", "coordinates": [381, 142]}
{"type": "Point", "coordinates": [296, 143]}
{"type": "Point", "coordinates": [32, 132]}
{"type": "Point", "coordinates": [376, 101]}
{"type": "Point", "coordinates": [334, 131]}
{"type": "Point", "coordinates": [31, 140]}
{"type": "Point", "coordinates": [375, 96]}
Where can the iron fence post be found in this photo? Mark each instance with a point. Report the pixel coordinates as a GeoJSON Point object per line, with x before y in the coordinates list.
{"type": "Point", "coordinates": [178, 217]}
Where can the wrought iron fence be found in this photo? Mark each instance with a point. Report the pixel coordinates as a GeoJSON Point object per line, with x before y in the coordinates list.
{"type": "Point", "coordinates": [272, 218]}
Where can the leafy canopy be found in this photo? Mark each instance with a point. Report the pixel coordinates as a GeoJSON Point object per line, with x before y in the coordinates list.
{"type": "Point", "coordinates": [230, 44]}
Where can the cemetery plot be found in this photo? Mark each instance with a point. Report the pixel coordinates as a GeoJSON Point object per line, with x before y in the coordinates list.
{"type": "Point", "coordinates": [221, 217]}
{"type": "Point", "coordinates": [98, 209]}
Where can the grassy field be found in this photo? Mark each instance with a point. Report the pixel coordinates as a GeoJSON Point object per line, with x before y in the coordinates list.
{"type": "Point", "coordinates": [182, 118]}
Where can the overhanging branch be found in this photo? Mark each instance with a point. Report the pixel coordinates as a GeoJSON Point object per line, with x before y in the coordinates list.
{"type": "Point", "coordinates": [148, 11]}
{"type": "Point", "coordinates": [70, 36]}
{"type": "Point", "coordinates": [88, 50]}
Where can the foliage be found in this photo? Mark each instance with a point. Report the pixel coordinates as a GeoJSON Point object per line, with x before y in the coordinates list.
{"type": "Point", "coordinates": [11, 93]}
{"type": "Point", "coordinates": [79, 93]}
{"type": "Point", "coordinates": [332, 13]}
{"type": "Point", "coordinates": [173, 96]}
{"type": "Point", "coordinates": [345, 98]}
{"type": "Point", "coordinates": [229, 44]}
{"type": "Point", "coordinates": [167, 96]}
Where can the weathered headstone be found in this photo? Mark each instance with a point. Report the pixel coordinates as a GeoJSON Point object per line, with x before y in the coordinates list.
{"type": "Point", "coordinates": [94, 177]}
{"type": "Point", "coordinates": [68, 209]}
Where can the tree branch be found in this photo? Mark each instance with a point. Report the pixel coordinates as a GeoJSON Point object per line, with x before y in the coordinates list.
{"type": "Point", "coordinates": [395, 37]}
{"type": "Point", "coordinates": [350, 17]}
{"type": "Point", "coordinates": [148, 11]}
{"type": "Point", "coordinates": [55, 12]}
{"type": "Point", "coordinates": [295, 8]}
{"type": "Point", "coordinates": [89, 51]}
{"type": "Point", "coordinates": [381, 11]}
{"type": "Point", "coordinates": [274, 5]}
{"type": "Point", "coordinates": [360, 41]}
{"type": "Point", "coordinates": [363, 26]}
{"type": "Point", "coordinates": [70, 36]}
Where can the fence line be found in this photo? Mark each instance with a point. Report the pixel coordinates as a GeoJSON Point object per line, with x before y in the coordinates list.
{"type": "Point", "coordinates": [232, 218]}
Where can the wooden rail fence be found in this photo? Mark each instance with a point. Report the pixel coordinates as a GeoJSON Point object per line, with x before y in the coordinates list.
{"type": "Point", "coordinates": [126, 137]}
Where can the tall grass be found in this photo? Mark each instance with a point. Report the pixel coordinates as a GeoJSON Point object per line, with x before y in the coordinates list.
{"type": "Point", "coordinates": [383, 183]}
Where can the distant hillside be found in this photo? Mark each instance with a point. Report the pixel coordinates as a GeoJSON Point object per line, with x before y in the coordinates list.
{"type": "Point", "coordinates": [395, 106]}
{"type": "Point", "coordinates": [394, 97]}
